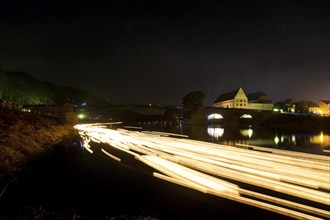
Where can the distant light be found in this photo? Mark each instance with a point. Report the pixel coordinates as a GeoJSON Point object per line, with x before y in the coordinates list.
{"type": "Point", "coordinates": [278, 110]}
{"type": "Point", "coordinates": [276, 140]}
{"type": "Point", "coordinates": [81, 116]}
{"type": "Point", "coordinates": [246, 116]}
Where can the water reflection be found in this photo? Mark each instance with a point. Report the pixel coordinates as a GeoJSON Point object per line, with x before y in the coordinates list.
{"type": "Point", "coordinates": [322, 139]}
{"type": "Point", "coordinates": [246, 132]}
{"type": "Point", "coordinates": [258, 136]}
{"type": "Point", "coordinates": [215, 131]}
{"type": "Point", "coordinates": [312, 143]}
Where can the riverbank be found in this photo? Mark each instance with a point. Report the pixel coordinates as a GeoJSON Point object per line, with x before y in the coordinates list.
{"type": "Point", "coordinates": [36, 159]}
{"type": "Point", "coordinates": [298, 123]}
{"type": "Point", "coordinates": [24, 136]}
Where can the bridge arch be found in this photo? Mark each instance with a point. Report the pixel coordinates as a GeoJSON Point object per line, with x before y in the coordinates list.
{"type": "Point", "coordinates": [246, 116]}
{"type": "Point", "coordinates": [214, 116]}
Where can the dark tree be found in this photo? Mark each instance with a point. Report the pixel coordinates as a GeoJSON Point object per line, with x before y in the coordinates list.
{"type": "Point", "coordinates": [192, 100]}
{"type": "Point", "coordinates": [279, 105]}
{"type": "Point", "coordinates": [302, 106]}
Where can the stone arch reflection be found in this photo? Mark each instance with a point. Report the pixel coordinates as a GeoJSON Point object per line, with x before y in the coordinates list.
{"type": "Point", "coordinates": [246, 132]}
{"type": "Point", "coordinates": [215, 131]}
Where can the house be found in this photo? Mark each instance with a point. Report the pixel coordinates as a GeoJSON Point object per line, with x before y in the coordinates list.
{"type": "Point", "coordinates": [259, 101]}
{"type": "Point", "coordinates": [314, 108]}
{"type": "Point", "coordinates": [290, 105]}
{"type": "Point", "coordinates": [233, 99]}
{"type": "Point", "coordinates": [324, 106]}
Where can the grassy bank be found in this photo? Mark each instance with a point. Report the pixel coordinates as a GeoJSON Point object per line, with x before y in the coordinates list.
{"type": "Point", "coordinates": [24, 136]}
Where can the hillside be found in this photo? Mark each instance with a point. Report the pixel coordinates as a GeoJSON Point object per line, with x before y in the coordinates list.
{"type": "Point", "coordinates": [22, 88]}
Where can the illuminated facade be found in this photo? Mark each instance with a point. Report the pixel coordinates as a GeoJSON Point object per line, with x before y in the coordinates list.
{"type": "Point", "coordinates": [234, 99]}
{"type": "Point", "coordinates": [324, 106]}
{"type": "Point", "coordinates": [238, 99]}
{"type": "Point", "coordinates": [314, 108]}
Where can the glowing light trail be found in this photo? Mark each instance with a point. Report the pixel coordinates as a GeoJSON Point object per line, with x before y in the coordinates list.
{"type": "Point", "coordinates": [201, 165]}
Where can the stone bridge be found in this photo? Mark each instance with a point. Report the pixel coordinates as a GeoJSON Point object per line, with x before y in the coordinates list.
{"type": "Point", "coordinates": [65, 113]}
{"type": "Point", "coordinates": [229, 116]}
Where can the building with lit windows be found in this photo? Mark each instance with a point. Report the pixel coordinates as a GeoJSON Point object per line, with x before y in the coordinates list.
{"type": "Point", "coordinates": [233, 99]}
{"type": "Point", "coordinates": [238, 99]}
{"type": "Point", "coordinates": [314, 108]}
{"type": "Point", "coordinates": [290, 105]}
{"type": "Point", "coordinates": [324, 106]}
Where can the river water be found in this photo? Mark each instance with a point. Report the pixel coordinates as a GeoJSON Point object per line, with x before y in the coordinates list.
{"type": "Point", "coordinates": [71, 183]}
{"type": "Point", "coordinates": [317, 142]}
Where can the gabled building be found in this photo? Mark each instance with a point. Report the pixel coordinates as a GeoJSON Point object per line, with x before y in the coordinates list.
{"type": "Point", "coordinates": [233, 99]}
{"type": "Point", "coordinates": [290, 105]}
{"type": "Point", "coordinates": [324, 106]}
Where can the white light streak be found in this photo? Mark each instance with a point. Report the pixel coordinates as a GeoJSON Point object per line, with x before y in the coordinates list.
{"type": "Point", "coordinates": [202, 165]}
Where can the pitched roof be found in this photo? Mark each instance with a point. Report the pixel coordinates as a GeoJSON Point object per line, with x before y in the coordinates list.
{"type": "Point", "coordinates": [255, 96]}
{"type": "Point", "coordinates": [227, 96]}
{"type": "Point", "coordinates": [313, 104]}
{"type": "Point", "coordinates": [325, 101]}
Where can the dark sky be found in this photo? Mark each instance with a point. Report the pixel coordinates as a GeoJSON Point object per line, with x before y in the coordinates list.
{"type": "Point", "coordinates": [158, 51]}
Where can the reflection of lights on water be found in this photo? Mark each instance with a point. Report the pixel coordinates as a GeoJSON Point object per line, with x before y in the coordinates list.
{"type": "Point", "coordinates": [215, 132]}
{"type": "Point", "coordinates": [202, 166]}
{"type": "Point", "coordinates": [276, 140]}
{"type": "Point", "coordinates": [214, 116]}
{"type": "Point", "coordinates": [321, 139]}
{"type": "Point", "coordinates": [246, 132]}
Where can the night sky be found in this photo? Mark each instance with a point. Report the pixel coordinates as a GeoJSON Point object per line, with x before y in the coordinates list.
{"type": "Point", "coordinates": [156, 52]}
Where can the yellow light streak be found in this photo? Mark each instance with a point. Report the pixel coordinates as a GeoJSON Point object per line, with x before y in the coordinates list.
{"type": "Point", "coordinates": [202, 165]}
{"type": "Point", "coordinates": [110, 155]}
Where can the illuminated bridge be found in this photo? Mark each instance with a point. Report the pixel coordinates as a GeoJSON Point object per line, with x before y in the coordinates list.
{"type": "Point", "coordinates": [232, 116]}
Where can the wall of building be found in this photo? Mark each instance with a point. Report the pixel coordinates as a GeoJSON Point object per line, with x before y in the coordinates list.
{"type": "Point", "coordinates": [261, 106]}
{"type": "Point", "coordinates": [224, 104]}
{"type": "Point", "coordinates": [324, 107]}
